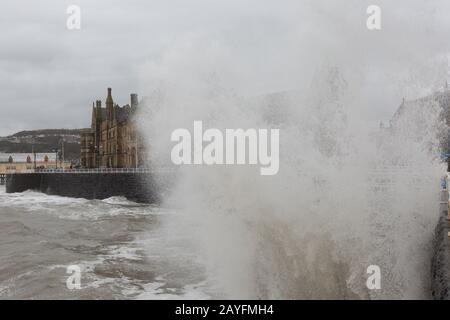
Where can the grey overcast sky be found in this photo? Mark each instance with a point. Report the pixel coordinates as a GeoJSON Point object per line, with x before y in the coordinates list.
{"type": "Point", "coordinates": [50, 75]}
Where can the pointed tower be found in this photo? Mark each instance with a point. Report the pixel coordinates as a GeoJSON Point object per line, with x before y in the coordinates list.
{"type": "Point", "coordinates": [94, 116]}
{"type": "Point", "coordinates": [98, 104]}
{"type": "Point", "coordinates": [94, 110]}
{"type": "Point", "coordinates": [109, 105]}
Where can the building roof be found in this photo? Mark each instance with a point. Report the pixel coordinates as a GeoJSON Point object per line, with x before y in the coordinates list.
{"type": "Point", "coordinates": [22, 157]}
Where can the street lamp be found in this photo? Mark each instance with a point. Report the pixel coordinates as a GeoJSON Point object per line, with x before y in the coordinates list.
{"type": "Point", "coordinates": [136, 152]}
{"type": "Point", "coordinates": [56, 157]}
{"type": "Point", "coordinates": [62, 153]}
{"type": "Point", "coordinates": [34, 156]}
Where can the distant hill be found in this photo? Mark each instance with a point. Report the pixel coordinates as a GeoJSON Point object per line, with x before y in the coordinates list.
{"type": "Point", "coordinates": [49, 132]}
{"type": "Point", "coordinates": [44, 140]}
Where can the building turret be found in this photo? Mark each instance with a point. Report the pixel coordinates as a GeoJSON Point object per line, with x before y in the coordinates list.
{"type": "Point", "coordinates": [109, 105]}
{"type": "Point", "coordinates": [94, 115]}
{"type": "Point", "coordinates": [134, 100]}
{"type": "Point", "coordinates": [94, 111]}
{"type": "Point", "coordinates": [98, 105]}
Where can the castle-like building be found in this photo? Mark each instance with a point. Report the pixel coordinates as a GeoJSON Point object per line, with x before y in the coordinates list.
{"type": "Point", "coordinates": [113, 140]}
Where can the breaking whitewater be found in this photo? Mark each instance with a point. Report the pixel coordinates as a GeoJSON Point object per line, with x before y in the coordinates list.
{"type": "Point", "coordinates": [346, 198]}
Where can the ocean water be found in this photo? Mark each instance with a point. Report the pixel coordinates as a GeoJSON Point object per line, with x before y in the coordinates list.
{"type": "Point", "coordinates": [121, 247]}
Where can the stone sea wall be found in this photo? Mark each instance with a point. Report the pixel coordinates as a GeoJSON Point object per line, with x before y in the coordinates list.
{"type": "Point", "coordinates": [139, 187]}
{"type": "Point", "coordinates": [440, 266]}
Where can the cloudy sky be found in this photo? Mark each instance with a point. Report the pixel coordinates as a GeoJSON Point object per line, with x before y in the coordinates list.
{"type": "Point", "coordinates": [50, 75]}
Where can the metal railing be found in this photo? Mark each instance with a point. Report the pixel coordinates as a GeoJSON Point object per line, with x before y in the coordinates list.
{"type": "Point", "coordinates": [94, 170]}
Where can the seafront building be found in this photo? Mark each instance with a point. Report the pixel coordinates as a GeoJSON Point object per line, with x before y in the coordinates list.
{"type": "Point", "coordinates": [27, 162]}
{"type": "Point", "coordinates": [113, 140]}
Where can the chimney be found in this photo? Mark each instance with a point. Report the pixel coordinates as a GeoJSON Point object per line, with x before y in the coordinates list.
{"type": "Point", "coordinates": [134, 100]}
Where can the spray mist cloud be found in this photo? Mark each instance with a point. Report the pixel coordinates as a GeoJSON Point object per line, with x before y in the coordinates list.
{"type": "Point", "coordinates": [347, 195]}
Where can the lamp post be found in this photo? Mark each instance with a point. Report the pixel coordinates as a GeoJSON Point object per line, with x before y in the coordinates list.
{"type": "Point", "coordinates": [56, 157]}
{"type": "Point", "coordinates": [34, 158]}
{"type": "Point", "coordinates": [136, 154]}
{"type": "Point", "coordinates": [62, 153]}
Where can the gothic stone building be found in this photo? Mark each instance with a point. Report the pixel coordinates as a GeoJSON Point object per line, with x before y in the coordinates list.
{"type": "Point", "coordinates": [112, 141]}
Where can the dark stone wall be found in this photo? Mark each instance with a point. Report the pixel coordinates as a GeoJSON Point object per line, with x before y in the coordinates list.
{"type": "Point", "coordinates": [21, 183]}
{"type": "Point", "coordinates": [139, 187]}
{"type": "Point", "coordinates": [440, 265]}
